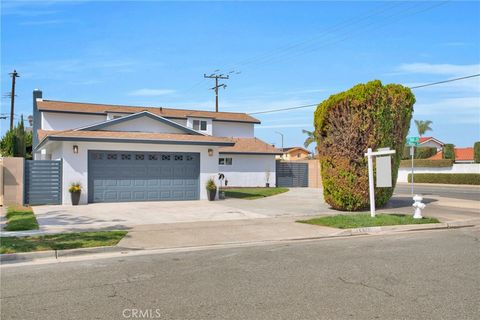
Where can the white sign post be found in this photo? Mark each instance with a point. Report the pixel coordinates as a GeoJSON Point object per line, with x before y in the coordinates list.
{"type": "Point", "coordinates": [371, 189]}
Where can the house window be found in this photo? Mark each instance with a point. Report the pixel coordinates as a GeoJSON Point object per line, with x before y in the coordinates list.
{"type": "Point", "coordinates": [139, 157]}
{"type": "Point", "coordinates": [298, 155]}
{"type": "Point", "coordinates": [225, 161]}
{"type": "Point", "coordinates": [97, 156]}
{"type": "Point", "coordinates": [200, 125]}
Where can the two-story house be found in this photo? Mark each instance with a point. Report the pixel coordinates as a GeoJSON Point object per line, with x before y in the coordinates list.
{"type": "Point", "coordinates": [124, 153]}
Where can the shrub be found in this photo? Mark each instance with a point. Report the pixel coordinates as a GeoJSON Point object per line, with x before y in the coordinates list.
{"type": "Point", "coordinates": [448, 178]}
{"type": "Point", "coordinates": [75, 187]}
{"type": "Point", "coordinates": [346, 124]}
{"type": "Point", "coordinates": [476, 152]}
{"type": "Point", "coordinates": [422, 163]}
{"type": "Point", "coordinates": [425, 152]}
{"type": "Point", "coordinates": [211, 184]}
{"type": "Point", "coordinates": [449, 151]}
{"type": "Point", "coordinates": [420, 152]}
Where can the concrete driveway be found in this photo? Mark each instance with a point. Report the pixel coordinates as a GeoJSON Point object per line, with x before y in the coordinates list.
{"type": "Point", "coordinates": [296, 202]}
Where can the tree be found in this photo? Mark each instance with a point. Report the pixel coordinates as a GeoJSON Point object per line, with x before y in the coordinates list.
{"type": "Point", "coordinates": [449, 151]}
{"type": "Point", "coordinates": [366, 116]}
{"type": "Point", "coordinates": [310, 138]}
{"type": "Point", "coordinates": [476, 152]}
{"type": "Point", "coordinates": [423, 126]}
{"type": "Point", "coordinates": [14, 143]}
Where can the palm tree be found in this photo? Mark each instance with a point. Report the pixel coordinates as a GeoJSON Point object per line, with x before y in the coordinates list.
{"type": "Point", "coordinates": [423, 126]}
{"type": "Point", "coordinates": [310, 138]}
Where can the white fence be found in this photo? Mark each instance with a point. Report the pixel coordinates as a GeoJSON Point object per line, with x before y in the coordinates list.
{"type": "Point", "coordinates": [456, 168]}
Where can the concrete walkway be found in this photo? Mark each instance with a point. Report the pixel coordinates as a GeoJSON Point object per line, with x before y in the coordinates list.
{"type": "Point", "coordinates": [194, 234]}
{"type": "Point", "coordinates": [126, 215]}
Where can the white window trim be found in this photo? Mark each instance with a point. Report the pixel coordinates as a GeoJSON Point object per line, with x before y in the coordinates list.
{"type": "Point", "coordinates": [200, 122]}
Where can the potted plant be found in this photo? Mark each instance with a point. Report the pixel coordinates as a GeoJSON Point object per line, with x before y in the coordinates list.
{"type": "Point", "coordinates": [267, 178]}
{"type": "Point", "coordinates": [75, 191]}
{"type": "Point", "coordinates": [211, 189]}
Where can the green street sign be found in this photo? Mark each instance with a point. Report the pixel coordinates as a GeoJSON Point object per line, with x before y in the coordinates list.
{"type": "Point", "coordinates": [413, 141]}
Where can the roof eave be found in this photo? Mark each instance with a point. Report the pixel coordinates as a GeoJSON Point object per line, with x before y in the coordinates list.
{"type": "Point", "coordinates": [251, 153]}
{"type": "Point", "coordinates": [129, 140]}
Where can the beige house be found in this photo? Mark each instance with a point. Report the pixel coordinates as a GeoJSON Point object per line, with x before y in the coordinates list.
{"type": "Point", "coordinates": [294, 153]}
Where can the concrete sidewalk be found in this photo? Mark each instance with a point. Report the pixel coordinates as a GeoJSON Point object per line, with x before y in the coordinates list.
{"type": "Point", "coordinates": [195, 234]}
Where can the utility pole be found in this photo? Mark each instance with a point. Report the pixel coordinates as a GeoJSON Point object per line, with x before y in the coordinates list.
{"type": "Point", "coordinates": [281, 134]}
{"type": "Point", "coordinates": [216, 77]}
{"type": "Point", "coordinates": [14, 75]}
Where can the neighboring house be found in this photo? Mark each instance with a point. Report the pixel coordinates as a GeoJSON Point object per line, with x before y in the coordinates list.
{"type": "Point", "coordinates": [431, 142]}
{"type": "Point", "coordinates": [462, 155]}
{"type": "Point", "coordinates": [294, 153]}
{"type": "Point", "coordinates": [124, 153]}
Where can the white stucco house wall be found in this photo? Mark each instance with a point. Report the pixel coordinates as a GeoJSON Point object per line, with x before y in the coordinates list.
{"type": "Point", "coordinates": [431, 142]}
{"type": "Point", "coordinates": [124, 153]}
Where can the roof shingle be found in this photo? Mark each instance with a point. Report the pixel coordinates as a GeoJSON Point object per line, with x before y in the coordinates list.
{"type": "Point", "coordinates": [78, 107]}
{"type": "Point", "coordinates": [250, 145]}
{"type": "Point", "coordinates": [464, 154]}
{"type": "Point", "coordinates": [122, 135]}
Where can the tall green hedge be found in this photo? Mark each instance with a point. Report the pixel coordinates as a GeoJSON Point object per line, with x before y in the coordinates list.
{"type": "Point", "coordinates": [476, 152]}
{"type": "Point", "coordinates": [422, 163]}
{"type": "Point", "coordinates": [446, 178]}
{"type": "Point", "coordinates": [346, 124]}
{"type": "Point", "coordinates": [449, 151]}
{"type": "Point", "coordinates": [420, 152]}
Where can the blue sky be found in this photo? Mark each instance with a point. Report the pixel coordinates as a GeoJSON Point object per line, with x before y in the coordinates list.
{"type": "Point", "coordinates": [283, 54]}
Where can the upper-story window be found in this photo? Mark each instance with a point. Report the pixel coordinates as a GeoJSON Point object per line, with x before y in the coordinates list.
{"type": "Point", "coordinates": [200, 125]}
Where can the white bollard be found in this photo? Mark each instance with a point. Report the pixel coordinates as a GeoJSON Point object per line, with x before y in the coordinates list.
{"type": "Point", "coordinates": [418, 205]}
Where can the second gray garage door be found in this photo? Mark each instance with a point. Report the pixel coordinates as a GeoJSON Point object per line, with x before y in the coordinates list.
{"type": "Point", "coordinates": [116, 176]}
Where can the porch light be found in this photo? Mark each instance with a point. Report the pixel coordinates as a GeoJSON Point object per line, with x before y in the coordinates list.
{"type": "Point", "coordinates": [210, 152]}
{"type": "Point", "coordinates": [75, 149]}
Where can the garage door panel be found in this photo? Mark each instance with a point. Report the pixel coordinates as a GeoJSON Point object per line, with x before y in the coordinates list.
{"type": "Point", "coordinates": [140, 183]}
{"type": "Point", "coordinates": [138, 176]}
{"type": "Point", "coordinates": [153, 182]}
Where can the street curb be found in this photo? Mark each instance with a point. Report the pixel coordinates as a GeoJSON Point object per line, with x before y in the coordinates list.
{"type": "Point", "coordinates": [30, 256]}
{"type": "Point", "coordinates": [11, 258]}
{"type": "Point", "coordinates": [408, 228]}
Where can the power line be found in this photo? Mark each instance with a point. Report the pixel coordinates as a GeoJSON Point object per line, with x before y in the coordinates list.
{"type": "Point", "coordinates": [285, 109]}
{"type": "Point", "coordinates": [360, 28]}
{"type": "Point", "coordinates": [445, 81]}
{"type": "Point", "coordinates": [361, 23]}
{"type": "Point", "coordinates": [292, 46]}
{"type": "Point", "coordinates": [414, 87]}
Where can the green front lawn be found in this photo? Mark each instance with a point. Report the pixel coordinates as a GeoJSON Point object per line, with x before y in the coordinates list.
{"type": "Point", "coordinates": [253, 193]}
{"type": "Point", "coordinates": [20, 218]}
{"type": "Point", "coordinates": [347, 221]}
{"type": "Point", "coordinates": [60, 241]}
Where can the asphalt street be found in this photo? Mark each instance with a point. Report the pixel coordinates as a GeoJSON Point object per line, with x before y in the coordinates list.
{"type": "Point", "coordinates": [422, 275]}
{"type": "Point", "coordinates": [456, 192]}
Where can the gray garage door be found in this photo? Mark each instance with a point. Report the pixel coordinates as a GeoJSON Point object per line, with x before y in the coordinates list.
{"type": "Point", "coordinates": [292, 174]}
{"type": "Point", "coordinates": [116, 176]}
